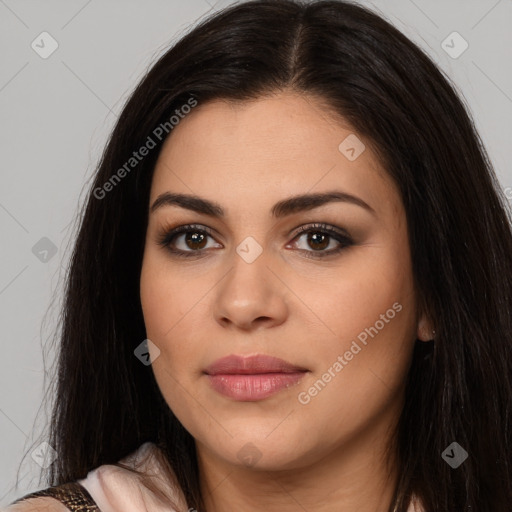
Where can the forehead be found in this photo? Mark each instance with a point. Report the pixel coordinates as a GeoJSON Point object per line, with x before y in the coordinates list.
{"type": "Point", "coordinates": [256, 152]}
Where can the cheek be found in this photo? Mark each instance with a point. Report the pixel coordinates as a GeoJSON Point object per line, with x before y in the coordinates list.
{"type": "Point", "coordinates": [176, 371]}
{"type": "Point", "coordinates": [162, 310]}
{"type": "Point", "coordinates": [363, 292]}
{"type": "Point", "coordinates": [171, 305]}
{"type": "Point", "coordinates": [164, 297]}
{"type": "Point", "coordinates": [368, 314]}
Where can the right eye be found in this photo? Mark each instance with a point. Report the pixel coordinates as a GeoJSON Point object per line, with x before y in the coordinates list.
{"type": "Point", "coordinates": [193, 236]}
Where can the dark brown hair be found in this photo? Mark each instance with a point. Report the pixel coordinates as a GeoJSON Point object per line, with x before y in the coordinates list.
{"type": "Point", "coordinates": [459, 388]}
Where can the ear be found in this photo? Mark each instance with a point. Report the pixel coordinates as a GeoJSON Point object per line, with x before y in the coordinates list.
{"type": "Point", "coordinates": [425, 330]}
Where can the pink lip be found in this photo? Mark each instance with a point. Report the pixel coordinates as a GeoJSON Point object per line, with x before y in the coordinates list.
{"type": "Point", "coordinates": [252, 378]}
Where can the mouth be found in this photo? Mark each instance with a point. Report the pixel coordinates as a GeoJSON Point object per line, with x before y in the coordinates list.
{"type": "Point", "coordinates": [252, 378]}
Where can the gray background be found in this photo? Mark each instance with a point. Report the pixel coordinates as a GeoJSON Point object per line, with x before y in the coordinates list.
{"type": "Point", "coordinates": [56, 114]}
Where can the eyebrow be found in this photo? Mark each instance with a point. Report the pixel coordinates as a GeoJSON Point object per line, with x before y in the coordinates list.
{"type": "Point", "coordinates": [282, 208]}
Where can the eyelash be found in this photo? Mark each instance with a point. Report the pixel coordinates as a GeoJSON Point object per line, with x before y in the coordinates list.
{"type": "Point", "coordinates": [167, 237]}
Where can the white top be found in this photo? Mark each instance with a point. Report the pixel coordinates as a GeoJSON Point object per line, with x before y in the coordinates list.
{"type": "Point", "coordinates": [117, 489]}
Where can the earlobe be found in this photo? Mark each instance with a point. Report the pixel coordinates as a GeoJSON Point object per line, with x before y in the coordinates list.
{"type": "Point", "coordinates": [425, 331]}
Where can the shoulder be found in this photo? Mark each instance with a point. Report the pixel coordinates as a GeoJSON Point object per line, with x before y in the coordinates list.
{"type": "Point", "coordinates": [39, 504]}
{"type": "Point", "coordinates": [59, 498]}
{"type": "Point", "coordinates": [415, 505]}
{"type": "Point", "coordinates": [141, 480]}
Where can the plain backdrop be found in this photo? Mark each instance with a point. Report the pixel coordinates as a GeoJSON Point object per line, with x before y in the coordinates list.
{"type": "Point", "coordinates": [57, 112]}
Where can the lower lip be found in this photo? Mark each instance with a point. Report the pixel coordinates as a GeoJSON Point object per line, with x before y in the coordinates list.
{"type": "Point", "coordinates": [253, 387]}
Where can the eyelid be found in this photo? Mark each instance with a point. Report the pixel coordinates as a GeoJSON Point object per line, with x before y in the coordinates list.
{"type": "Point", "coordinates": [323, 226]}
{"type": "Point", "coordinates": [167, 232]}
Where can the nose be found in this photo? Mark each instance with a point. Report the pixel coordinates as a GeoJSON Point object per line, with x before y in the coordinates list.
{"type": "Point", "coordinates": [251, 295]}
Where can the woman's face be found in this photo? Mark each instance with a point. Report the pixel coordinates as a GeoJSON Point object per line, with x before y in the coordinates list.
{"type": "Point", "coordinates": [338, 307]}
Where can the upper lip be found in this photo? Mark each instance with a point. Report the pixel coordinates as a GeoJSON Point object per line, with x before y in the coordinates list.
{"type": "Point", "coordinates": [259, 363]}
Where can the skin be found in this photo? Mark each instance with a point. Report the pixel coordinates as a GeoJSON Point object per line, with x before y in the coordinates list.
{"type": "Point", "coordinates": [328, 454]}
{"type": "Point", "coordinates": [41, 504]}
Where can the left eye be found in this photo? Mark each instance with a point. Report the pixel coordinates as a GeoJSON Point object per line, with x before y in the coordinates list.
{"type": "Point", "coordinates": [194, 240]}
{"type": "Point", "coordinates": [319, 237]}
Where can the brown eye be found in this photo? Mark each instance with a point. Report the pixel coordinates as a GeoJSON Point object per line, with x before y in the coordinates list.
{"type": "Point", "coordinates": [189, 240]}
{"type": "Point", "coordinates": [319, 237]}
{"type": "Point", "coordinates": [318, 241]}
{"type": "Point", "coordinates": [195, 239]}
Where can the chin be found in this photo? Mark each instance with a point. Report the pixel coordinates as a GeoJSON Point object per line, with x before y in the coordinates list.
{"type": "Point", "coordinates": [255, 449]}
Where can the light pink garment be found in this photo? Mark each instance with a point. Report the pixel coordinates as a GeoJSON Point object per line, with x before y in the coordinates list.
{"type": "Point", "coordinates": [415, 506]}
{"type": "Point", "coordinates": [118, 490]}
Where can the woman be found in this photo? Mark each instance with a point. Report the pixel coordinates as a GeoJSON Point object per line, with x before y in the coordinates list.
{"type": "Point", "coordinates": [291, 289]}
